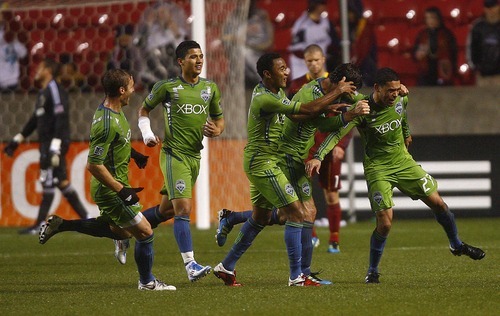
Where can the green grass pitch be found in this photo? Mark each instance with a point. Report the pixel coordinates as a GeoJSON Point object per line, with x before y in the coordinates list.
{"type": "Point", "coordinates": [75, 274]}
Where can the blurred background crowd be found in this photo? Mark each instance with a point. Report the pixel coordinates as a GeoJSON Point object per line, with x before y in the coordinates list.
{"type": "Point", "coordinates": [430, 43]}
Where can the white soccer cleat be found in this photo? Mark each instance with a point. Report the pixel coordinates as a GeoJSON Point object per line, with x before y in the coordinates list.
{"type": "Point", "coordinates": [303, 280]}
{"type": "Point", "coordinates": [196, 271]}
{"type": "Point", "coordinates": [156, 285]}
{"type": "Point", "coordinates": [121, 247]}
{"type": "Point", "coordinates": [299, 281]}
{"type": "Point", "coordinates": [315, 242]}
{"type": "Point", "coordinates": [49, 228]}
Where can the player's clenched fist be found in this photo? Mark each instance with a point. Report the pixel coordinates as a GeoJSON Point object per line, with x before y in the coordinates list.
{"type": "Point", "coordinates": [129, 195]}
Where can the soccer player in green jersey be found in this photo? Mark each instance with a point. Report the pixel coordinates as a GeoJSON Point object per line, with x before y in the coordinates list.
{"type": "Point", "coordinates": [296, 140]}
{"type": "Point", "coordinates": [192, 110]}
{"type": "Point", "coordinates": [108, 160]}
{"type": "Point", "coordinates": [385, 136]}
{"type": "Point", "coordinates": [269, 187]}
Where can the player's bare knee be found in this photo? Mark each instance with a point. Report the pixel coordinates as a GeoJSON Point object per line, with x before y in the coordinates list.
{"type": "Point", "coordinates": [297, 217]}
{"type": "Point", "coordinates": [182, 212]}
{"type": "Point", "coordinates": [384, 228]}
{"type": "Point", "coordinates": [262, 218]}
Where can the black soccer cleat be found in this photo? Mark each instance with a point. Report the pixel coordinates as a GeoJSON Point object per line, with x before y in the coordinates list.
{"type": "Point", "coordinates": [468, 250]}
{"type": "Point", "coordinates": [372, 277]}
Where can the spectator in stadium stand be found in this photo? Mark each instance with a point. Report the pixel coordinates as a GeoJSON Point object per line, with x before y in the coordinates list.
{"type": "Point", "coordinates": [162, 27]}
{"type": "Point", "coordinates": [363, 43]}
{"type": "Point", "coordinates": [313, 28]}
{"type": "Point", "coordinates": [435, 51]}
{"type": "Point", "coordinates": [70, 77]}
{"type": "Point", "coordinates": [259, 39]}
{"type": "Point", "coordinates": [483, 46]}
{"type": "Point", "coordinates": [11, 51]}
{"type": "Point", "coordinates": [108, 162]}
{"type": "Point", "coordinates": [385, 135]}
{"type": "Point", "coordinates": [125, 55]}
{"type": "Point", "coordinates": [51, 121]}
{"type": "Point", "coordinates": [245, 41]}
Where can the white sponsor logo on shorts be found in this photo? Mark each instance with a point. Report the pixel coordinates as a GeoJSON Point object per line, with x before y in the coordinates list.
{"type": "Point", "coordinates": [98, 151]}
{"type": "Point", "coordinates": [306, 188]}
{"type": "Point", "coordinates": [180, 185]}
{"type": "Point", "coordinates": [289, 189]}
{"type": "Point", "coordinates": [377, 197]}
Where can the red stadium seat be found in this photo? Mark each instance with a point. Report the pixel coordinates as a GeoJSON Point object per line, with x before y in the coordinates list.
{"type": "Point", "coordinates": [282, 38]}
{"type": "Point", "coordinates": [453, 11]}
{"type": "Point", "coordinates": [461, 33]}
{"type": "Point", "coordinates": [399, 11]}
{"type": "Point", "coordinates": [400, 62]}
{"type": "Point", "coordinates": [390, 36]}
{"type": "Point", "coordinates": [473, 10]}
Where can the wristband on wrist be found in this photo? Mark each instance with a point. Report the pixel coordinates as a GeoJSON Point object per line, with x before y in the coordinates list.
{"type": "Point", "coordinates": [145, 127]}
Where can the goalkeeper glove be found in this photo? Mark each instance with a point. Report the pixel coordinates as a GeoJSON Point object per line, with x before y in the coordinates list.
{"type": "Point", "coordinates": [13, 144]}
{"type": "Point", "coordinates": [129, 195]}
{"type": "Point", "coordinates": [140, 160]}
{"type": "Point", "coordinates": [55, 152]}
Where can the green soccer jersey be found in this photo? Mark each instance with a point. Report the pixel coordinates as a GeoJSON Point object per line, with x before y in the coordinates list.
{"type": "Point", "coordinates": [382, 133]}
{"type": "Point", "coordinates": [298, 137]}
{"type": "Point", "coordinates": [265, 123]}
{"type": "Point", "coordinates": [186, 108]}
{"type": "Point", "coordinates": [110, 144]}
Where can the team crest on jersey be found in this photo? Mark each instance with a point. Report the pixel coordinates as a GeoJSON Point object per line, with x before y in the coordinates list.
{"type": "Point", "coordinates": [316, 92]}
{"type": "Point", "coordinates": [205, 94]}
{"type": "Point", "coordinates": [289, 189]}
{"type": "Point", "coordinates": [280, 118]}
{"type": "Point", "coordinates": [98, 151]}
{"type": "Point", "coordinates": [285, 101]}
{"type": "Point", "coordinates": [377, 197]}
{"type": "Point", "coordinates": [399, 108]}
{"type": "Point", "coordinates": [151, 96]}
{"type": "Point", "coordinates": [180, 185]}
{"type": "Point", "coordinates": [306, 188]}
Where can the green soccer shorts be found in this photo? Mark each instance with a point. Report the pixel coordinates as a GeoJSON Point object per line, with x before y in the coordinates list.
{"type": "Point", "coordinates": [269, 187]}
{"type": "Point", "coordinates": [179, 174]}
{"type": "Point", "coordinates": [113, 210]}
{"type": "Point", "coordinates": [294, 170]}
{"type": "Point", "coordinates": [413, 181]}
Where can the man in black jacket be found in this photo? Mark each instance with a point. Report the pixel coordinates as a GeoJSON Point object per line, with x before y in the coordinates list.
{"type": "Point", "coordinates": [483, 49]}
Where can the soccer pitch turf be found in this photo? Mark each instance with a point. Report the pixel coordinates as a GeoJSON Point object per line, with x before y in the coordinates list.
{"type": "Point", "coordinates": [74, 274]}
